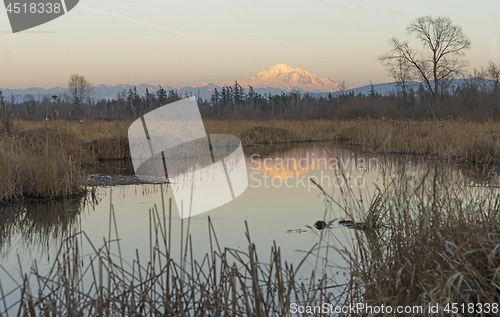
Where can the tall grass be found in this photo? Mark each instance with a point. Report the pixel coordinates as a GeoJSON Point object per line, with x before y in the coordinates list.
{"type": "Point", "coordinates": [451, 140]}
{"type": "Point", "coordinates": [44, 159]}
{"type": "Point", "coordinates": [102, 139]}
{"type": "Point", "coordinates": [37, 164]}
{"type": "Point", "coordinates": [427, 240]}
{"type": "Point", "coordinates": [225, 282]}
{"type": "Point", "coordinates": [40, 159]}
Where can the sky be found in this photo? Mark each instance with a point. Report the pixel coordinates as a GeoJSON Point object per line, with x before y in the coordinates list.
{"type": "Point", "coordinates": [186, 42]}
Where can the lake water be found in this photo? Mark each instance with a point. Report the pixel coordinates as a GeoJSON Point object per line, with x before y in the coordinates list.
{"type": "Point", "coordinates": [280, 205]}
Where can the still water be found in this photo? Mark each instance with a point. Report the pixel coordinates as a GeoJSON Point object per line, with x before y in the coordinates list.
{"type": "Point", "coordinates": [280, 205]}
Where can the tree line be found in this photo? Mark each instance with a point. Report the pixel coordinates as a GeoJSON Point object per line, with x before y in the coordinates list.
{"type": "Point", "coordinates": [477, 98]}
{"type": "Point", "coordinates": [78, 103]}
{"type": "Point", "coordinates": [441, 59]}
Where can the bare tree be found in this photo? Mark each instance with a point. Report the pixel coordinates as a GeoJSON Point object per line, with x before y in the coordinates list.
{"type": "Point", "coordinates": [80, 90]}
{"type": "Point", "coordinates": [342, 87]}
{"type": "Point", "coordinates": [443, 55]}
{"type": "Point", "coordinates": [400, 71]}
{"type": "Point", "coordinates": [494, 75]}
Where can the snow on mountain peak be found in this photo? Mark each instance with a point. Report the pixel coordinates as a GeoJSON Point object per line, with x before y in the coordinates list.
{"type": "Point", "coordinates": [280, 68]}
{"type": "Point", "coordinates": [287, 78]}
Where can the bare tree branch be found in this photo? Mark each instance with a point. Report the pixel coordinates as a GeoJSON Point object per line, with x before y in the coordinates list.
{"type": "Point", "coordinates": [80, 90]}
{"type": "Point", "coordinates": [442, 57]}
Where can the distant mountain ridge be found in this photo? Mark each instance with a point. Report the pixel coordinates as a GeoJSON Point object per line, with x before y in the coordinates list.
{"type": "Point", "coordinates": [272, 80]}
{"type": "Point", "coordinates": [275, 80]}
{"type": "Point", "coordinates": [387, 88]}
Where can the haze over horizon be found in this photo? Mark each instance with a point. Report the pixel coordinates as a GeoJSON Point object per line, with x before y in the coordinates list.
{"type": "Point", "coordinates": [194, 42]}
{"type": "Point", "coordinates": [280, 76]}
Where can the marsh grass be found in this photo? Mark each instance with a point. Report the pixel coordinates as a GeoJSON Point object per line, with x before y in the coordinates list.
{"type": "Point", "coordinates": [36, 164]}
{"type": "Point", "coordinates": [100, 139]}
{"type": "Point", "coordinates": [222, 282]}
{"type": "Point", "coordinates": [42, 159]}
{"type": "Point", "coordinates": [453, 140]}
{"type": "Point", "coordinates": [427, 240]}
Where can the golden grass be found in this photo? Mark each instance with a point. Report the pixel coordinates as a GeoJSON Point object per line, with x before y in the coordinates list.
{"type": "Point", "coordinates": [101, 139]}
{"type": "Point", "coordinates": [36, 164]}
{"type": "Point", "coordinates": [428, 240]}
{"type": "Point", "coordinates": [273, 131]}
{"type": "Point", "coordinates": [43, 158]}
{"type": "Point", "coordinates": [86, 131]}
{"type": "Point", "coordinates": [225, 282]}
{"type": "Point", "coordinates": [451, 140]}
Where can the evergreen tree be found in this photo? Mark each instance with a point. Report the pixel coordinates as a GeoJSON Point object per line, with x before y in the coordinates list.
{"type": "Point", "coordinates": [147, 102]}
{"type": "Point", "coordinates": [215, 100]}
{"type": "Point", "coordinates": [238, 93]}
{"type": "Point", "coordinates": [161, 95]}
{"type": "Point", "coordinates": [2, 103]}
{"type": "Point", "coordinates": [224, 97]}
{"type": "Point", "coordinates": [373, 93]}
{"type": "Point", "coordinates": [252, 97]}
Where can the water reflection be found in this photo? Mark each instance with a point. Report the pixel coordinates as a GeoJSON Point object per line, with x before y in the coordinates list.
{"type": "Point", "coordinates": [285, 214]}
{"type": "Point", "coordinates": [40, 225]}
{"type": "Point", "coordinates": [481, 176]}
{"type": "Point", "coordinates": [43, 224]}
{"type": "Point", "coordinates": [294, 160]}
{"type": "Point", "coordinates": [112, 167]}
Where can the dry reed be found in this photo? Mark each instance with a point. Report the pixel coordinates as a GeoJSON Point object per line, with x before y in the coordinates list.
{"type": "Point", "coordinates": [427, 240]}
{"type": "Point", "coordinates": [36, 164]}
{"type": "Point", "coordinates": [42, 158]}
{"type": "Point", "coordinates": [450, 140]}
{"type": "Point", "coordinates": [225, 282]}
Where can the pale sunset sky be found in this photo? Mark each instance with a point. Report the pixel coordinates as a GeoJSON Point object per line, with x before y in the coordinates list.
{"type": "Point", "coordinates": [192, 41]}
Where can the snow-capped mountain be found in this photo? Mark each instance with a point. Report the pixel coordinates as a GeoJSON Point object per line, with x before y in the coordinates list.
{"type": "Point", "coordinates": [273, 80]}
{"type": "Point", "coordinates": [287, 78]}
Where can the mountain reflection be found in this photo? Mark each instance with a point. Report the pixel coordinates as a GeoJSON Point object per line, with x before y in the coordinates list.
{"type": "Point", "coordinates": [288, 160]}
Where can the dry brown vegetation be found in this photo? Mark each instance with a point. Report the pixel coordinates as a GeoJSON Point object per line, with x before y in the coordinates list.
{"type": "Point", "coordinates": [35, 164]}
{"type": "Point", "coordinates": [225, 282]}
{"type": "Point", "coordinates": [99, 139]}
{"type": "Point", "coordinates": [428, 238]}
{"type": "Point", "coordinates": [42, 159]}
{"type": "Point", "coordinates": [451, 140]}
